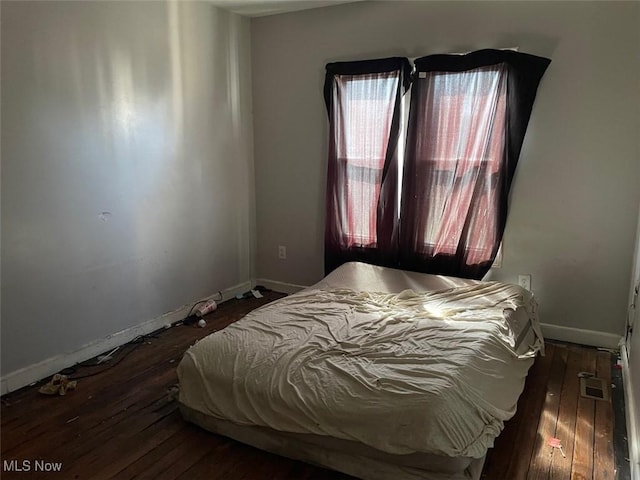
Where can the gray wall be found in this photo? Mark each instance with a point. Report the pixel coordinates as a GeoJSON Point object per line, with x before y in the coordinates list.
{"type": "Point", "coordinates": [127, 171]}
{"type": "Point", "coordinates": [574, 201]}
{"type": "Point", "coordinates": [633, 382]}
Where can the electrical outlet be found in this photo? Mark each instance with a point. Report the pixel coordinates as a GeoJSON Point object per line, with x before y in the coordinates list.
{"type": "Point", "coordinates": [525, 281]}
{"type": "Point", "coordinates": [282, 252]}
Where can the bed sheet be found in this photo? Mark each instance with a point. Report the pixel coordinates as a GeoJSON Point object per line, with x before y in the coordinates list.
{"type": "Point", "coordinates": [398, 361]}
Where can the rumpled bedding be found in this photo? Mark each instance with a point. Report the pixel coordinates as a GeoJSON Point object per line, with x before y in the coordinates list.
{"type": "Point", "coordinates": [436, 372]}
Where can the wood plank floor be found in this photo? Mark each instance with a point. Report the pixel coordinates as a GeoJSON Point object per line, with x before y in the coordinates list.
{"type": "Point", "coordinates": [123, 423]}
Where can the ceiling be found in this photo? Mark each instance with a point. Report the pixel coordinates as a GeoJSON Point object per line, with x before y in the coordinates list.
{"type": "Point", "coordinates": [261, 8]}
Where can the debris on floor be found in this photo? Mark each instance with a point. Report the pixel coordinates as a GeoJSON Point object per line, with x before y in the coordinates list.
{"type": "Point", "coordinates": [58, 385]}
{"type": "Point", "coordinates": [172, 392]}
{"type": "Point", "coordinates": [556, 443]}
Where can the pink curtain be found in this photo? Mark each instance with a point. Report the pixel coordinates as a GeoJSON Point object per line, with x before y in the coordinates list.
{"type": "Point", "coordinates": [363, 102]}
{"type": "Point", "coordinates": [364, 106]}
{"type": "Point", "coordinates": [465, 113]}
{"type": "Point", "coordinates": [466, 126]}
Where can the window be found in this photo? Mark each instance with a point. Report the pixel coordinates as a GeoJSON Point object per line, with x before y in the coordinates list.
{"type": "Point", "coordinates": [363, 103]}
{"type": "Point", "coordinates": [460, 153]}
{"type": "Point", "coordinates": [365, 106]}
{"type": "Point", "coordinates": [433, 197]}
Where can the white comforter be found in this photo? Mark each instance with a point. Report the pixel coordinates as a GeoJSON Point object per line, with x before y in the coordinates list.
{"type": "Point", "coordinates": [435, 372]}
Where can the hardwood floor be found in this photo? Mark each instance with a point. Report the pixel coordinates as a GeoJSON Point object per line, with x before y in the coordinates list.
{"type": "Point", "coordinates": [123, 423]}
{"type": "Point", "coordinates": [551, 407]}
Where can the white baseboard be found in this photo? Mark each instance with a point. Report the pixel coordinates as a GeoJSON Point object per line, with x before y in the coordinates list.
{"type": "Point", "coordinates": [580, 336]}
{"type": "Point", "coordinates": [38, 371]}
{"type": "Point", "coordinates": [281, 287]}
{"type": "Point", "coordinates": [631, 415]}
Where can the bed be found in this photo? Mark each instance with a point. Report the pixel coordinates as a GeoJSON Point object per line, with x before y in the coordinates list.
{"type": "Point", "coordinates": [376, 372]}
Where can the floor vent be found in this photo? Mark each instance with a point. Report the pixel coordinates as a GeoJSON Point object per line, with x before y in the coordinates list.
{"type": "Point", "coordinates": [594, 388]}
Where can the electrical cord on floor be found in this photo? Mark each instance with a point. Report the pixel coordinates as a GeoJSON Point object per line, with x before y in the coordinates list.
{"type": "Point", "coordinates": [136, 342]}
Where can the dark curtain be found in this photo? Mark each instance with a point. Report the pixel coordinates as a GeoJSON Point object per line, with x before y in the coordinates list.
{"type": "Point", "coordinates": [467, 122]}
{"type": "Point", "coordinates": [363, 101]}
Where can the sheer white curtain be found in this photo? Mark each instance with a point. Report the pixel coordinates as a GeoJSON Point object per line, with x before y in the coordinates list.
{"type": "Point", "coordinates": [364, 107]}
{"type": "Point", "coordinates": [465, 112]}
{"type": "Point", "coordinates": [363, 102]}
{"type": "Point", "coordinates": [467, 121]}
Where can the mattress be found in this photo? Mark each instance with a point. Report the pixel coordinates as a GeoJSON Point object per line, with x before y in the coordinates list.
{"type": "Point", "coordinates": [418, 368]}
{"type": "Point", "coordinates": [348, 457]}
